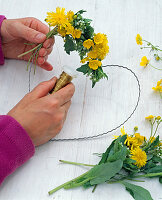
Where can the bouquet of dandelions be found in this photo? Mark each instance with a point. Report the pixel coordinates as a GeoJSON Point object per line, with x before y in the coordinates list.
{"type": "Point", "coordinates": [78, 35]}
{"type": "Point", "coordinates": [128, 158]}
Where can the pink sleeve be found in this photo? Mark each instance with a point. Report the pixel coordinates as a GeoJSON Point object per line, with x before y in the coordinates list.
{"type": "Point", "coordinates": [1, 53]}
{"type": "Point", "coordinates": [16, 146]}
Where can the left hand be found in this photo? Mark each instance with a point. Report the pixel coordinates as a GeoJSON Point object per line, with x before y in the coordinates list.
{"type": "Point", "coordinates": [16, 32]}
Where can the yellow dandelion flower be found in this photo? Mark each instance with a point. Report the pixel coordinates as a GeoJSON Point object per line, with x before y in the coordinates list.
{"type": "Point", "coordinates": [139, 39]}
{"type": "Point", "coordinates": [94, 64]}
{"type": "Point", "coordinates": [150, 117]}
{"type": "Point", "coordinates": [131, 142]}
{"type": "Point", "coordinates": [76, 33]}
{"type": "Point", "coordinates": [123, 131]}
{"type": "Point", "coordinates": [144, 61]}
{"type": "Point", "coordinates": [70, 15]}
{"type": "Point", "coordinates": [57, 18]}
{"type": "Point", "coordinates": [88, 43]}
{"type": "Point", "coordinates": [158, 86]}
{"type": "Point", "coordinates": [116, 136]}
{"type": "Point", "coordinates": [139, 156]}
{"type": "Point", "coordinates": [139, 138]}
{"type": "Point", "coordinates": [98, 38]}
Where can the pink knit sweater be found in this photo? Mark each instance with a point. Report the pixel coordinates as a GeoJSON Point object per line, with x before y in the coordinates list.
{"type": "Point", "coordinates": [16, 146]}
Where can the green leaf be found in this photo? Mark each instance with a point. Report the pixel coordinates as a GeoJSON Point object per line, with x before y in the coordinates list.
{"type": "Point", "coordinates": [88, 32]}
{"type": "Point", "coordinates": [102, 173]}
{"type": "Point", "coordinates": [121, 154]}
{"type": "Point", "coordinates": [137, 192]}
{"type": "Point", "coordinates": [117, 145]}
{"type": "Point", "coordinates": [83, 68]}
{"type": "Point", "coordinates": [69, 45]}
{"type": "Point", "coordinates": [155, 142]}
{"type": "Point", "coordinates": [156, 169]}
{"type": "Point", "coordinates": [106, 154]}
{"type": "Point", "coordinates": [148, 166]}
{"type": "Point", "coordinates": [157, 159]}
{"type": "Point", "coordinates": [80, 12]}
{"type": "Point", "coordinates": [160, 179]}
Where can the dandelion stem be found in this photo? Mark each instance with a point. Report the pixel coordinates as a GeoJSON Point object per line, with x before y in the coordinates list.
{"type": "Point", "coordinates": [31, 50]}
{"type": "Point", "coordinates": [149, 175]}
{"type": "Point", "coordinates": [68, 182]}
{"type": "Point", "coordinates": [75, 163]}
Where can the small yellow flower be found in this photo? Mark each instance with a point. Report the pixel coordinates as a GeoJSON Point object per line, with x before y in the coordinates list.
{"type": "Point", "coordinates": [150, 117]}
{"type": "Point", "coordinates": [69, 29]}
{"type": "Point", "coordinates": [62, 31]}
{"type": "Point", "coordinates": [70, 15]}
{"type": "Point", "coordinates": [139, 39]}
{"type": "Point", "coordinates": [76, 33]}
{"type": "Point", "coordinates": [85, 59]}
{"type": "Point", "coordinates": [158, 86]}
{"type": "Point", "coordinates": [144, 61]}
{"type": "Point", "coordinates": [139, 156]}
{"type": "Point", "coordinates": [98, 38]}
{"type": "Point", "coordinates": [139, 138]}
{"type": "Point", "coordinates": [93, 54]}
{"type": "Point", "coordinates": [94, 64]}
{"type": "Point", "coordinates": [88, 43]}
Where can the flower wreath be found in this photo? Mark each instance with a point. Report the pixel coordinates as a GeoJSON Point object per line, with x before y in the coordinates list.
{"type": "Point", "coordinates": [78, 35]}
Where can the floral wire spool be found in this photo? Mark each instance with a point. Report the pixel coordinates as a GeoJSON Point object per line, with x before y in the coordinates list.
{"type": "Point", "coordinates": [65, 78]}
{"type": "Point", "coordinates": [118, 126]}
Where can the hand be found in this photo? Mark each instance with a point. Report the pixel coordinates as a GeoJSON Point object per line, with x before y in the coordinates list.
{"type": "Point", "coordinates": [16, 32]}
{"type": "Point", "coordinates": [43, 115]}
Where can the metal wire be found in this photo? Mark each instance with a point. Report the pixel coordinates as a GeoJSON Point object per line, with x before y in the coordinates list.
{"type": "Point", "coordinates": [109, 131]}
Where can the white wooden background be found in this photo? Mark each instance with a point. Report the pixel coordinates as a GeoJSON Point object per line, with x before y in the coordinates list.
{"type": "Point", "coordinates": [93, 110]}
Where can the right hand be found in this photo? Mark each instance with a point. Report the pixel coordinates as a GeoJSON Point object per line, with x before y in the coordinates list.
{"type": "Point", "coordinates": [43, 115]}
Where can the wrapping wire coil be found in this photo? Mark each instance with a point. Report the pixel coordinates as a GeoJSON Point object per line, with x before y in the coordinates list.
{"type": "Point", "coordinates": [62, 82]}
{"type": "Point", "coordinates": [109, 131]}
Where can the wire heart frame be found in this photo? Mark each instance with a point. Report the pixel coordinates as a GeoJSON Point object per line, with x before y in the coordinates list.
{"type": "Point", "coordinates": [121, 124]}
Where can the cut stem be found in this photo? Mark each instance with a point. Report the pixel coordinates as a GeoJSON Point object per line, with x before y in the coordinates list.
{"type": "Point", "coordinates": [31, 50]}
{"type": "Point", "coordinates": [75, 163]}
{"type": "Point", "coordinates": [63, 185]}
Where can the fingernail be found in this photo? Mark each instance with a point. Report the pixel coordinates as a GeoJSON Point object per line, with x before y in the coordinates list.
{"type": "Point", "coordinates": [40, 36]}
{"type": "Point", "coordinates": [48, 46]}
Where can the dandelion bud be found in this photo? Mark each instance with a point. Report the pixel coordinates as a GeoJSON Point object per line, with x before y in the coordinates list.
{"type": "Point", "coordinates": [136, 128]}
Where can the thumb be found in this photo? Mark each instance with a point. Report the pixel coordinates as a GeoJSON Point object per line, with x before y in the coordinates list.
{"type": "Point", "coordinates": [43, 88]}
{"type": "Point", "coordinates": [30, 34]}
